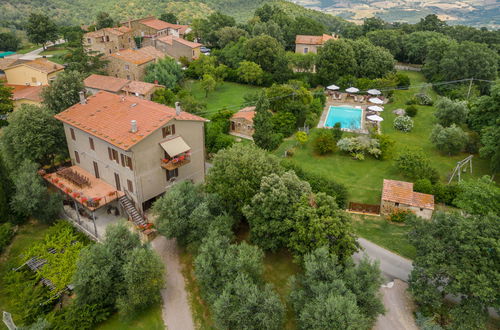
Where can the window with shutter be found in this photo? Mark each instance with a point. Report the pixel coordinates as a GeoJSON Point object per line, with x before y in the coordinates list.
{"type": "Point", "coordinates": [77, 157]}
{"type": "Point", "coordinates": [72, 131]}
{"type": "Point", "coordinates": [91, 142]}
{"type": "Point", "coordinates": [130, 186]}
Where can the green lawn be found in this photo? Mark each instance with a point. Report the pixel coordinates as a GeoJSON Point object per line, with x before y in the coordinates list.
{"type": "Point", "coordinates": [26, 236]}
{"type": "Point", "coordinates": [364, 178]}
{"type": "Point", "coordinates": [148, 320]}
{"type": "Point", "coordinates": [378, 230]}
{"type": "Point", "coordinates": [228, 95]}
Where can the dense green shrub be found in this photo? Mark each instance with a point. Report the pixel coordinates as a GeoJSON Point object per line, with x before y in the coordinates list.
{"type": "Point", "coordinates": [360, 145]}
{"type": "Point", "coordinates": [403, 80]}
{"type": "Point", "coordinates": [320, 183]}
{"type": "Point", "coordinates": [423, 186]}
{"type": "Point", "coordinates": [411, 110]}
{"type": "Point", "coordinates": [323, 142]}
{"type": "Point", "coordinates": [6, 234]}
{"type": "Point", "coordinates": [77, 316]}
{"type": "Point", "coordinates": [403, 123]}
{"type": "Point", "coordinates": [386, 145]}
{"type": "Point", "coordinates": [423, 99]}
{"type": "Point", "coordinates": [399, 215]}
{"type": "Point", "coordinates": [411, 101]}
{"type": "Point", "coordinates": [415, 165]}
{"type": "Point", "coordinates": [473, 142]}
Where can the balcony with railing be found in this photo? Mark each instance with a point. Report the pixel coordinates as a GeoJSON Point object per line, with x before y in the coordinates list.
{"type": "Point", "coordinates": [172, 163]}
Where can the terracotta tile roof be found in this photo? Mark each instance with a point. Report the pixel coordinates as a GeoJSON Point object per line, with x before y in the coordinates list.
{"type": "Point", "coordinates": [107, 116]}
{"type": "Point", "coordinates": [139, 87]}
{"type": "Point", "coordinates": [106, 31]}
{"type": "Point", "coordinates": [313, 40]}
{"type": "Point", "coordinates": [151, 51]}
{"type": "Point", "coordinates": [21, 92]}
{"type": "Point", "coordinates": [170, 40]}
{"type": "Point", "coordinates": [402, 192]}
{"type": "Point", "coordinates": [157, 24]}
{"type": "Point", "coordinates": [40, 64]}
{"type": "Point", "coordinates": [10, 61]}
{"type": "Point", "coordinates": [105, 83]}
{"type": "Point", "coordinates": [246, 113]}
{"type": "Point", "coordinates": [137, 56]}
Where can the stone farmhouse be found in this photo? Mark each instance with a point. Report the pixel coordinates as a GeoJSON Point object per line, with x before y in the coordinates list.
{"type": "Point", "coordinates": [311, 44]}
{"type": "Point", "coordinates": [400, 194]}
{"type": "Point", "coordinates": [241, 123]}
{"type": "Point", "coordinates": [109, 40]}
{"type": "Point", "coordinates": [177, 47]}
{"type": "Point", "coordinates": [131, 64]}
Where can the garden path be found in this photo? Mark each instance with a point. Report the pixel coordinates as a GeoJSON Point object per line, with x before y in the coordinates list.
{"type": "Point", "coordinates": [176, 312]}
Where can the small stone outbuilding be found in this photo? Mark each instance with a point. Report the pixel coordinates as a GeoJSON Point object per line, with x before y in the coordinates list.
{"type": "Point", "coordinates": [242, 123]}
{"type": "Point", "coordinates": [400, 194]}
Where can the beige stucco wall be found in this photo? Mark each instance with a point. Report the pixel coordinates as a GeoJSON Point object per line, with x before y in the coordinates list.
{"type": "Point", "coordinates": [387, 207]}
{"type": "Point", "coordinates": [23, 75]}
{"type": "Point", "coordinates": [300, 48]}
{"type": "Point", "coordinates": [117, 68]}
{"type": "Point", "coordinates": [148, 177]}
{"type": "Point", "coordinates": [241, 126]}
{"type": "Point", "coordinates": [178, 50]}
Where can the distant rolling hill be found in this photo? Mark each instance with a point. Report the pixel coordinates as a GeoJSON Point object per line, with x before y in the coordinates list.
{"type": "Point", "coordinates": [468, 12]}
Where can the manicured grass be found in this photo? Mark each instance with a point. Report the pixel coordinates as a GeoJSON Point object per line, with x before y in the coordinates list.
{"type": "Point", "coordinates": [364, 178]}
{"type": "Point", "coordinates": [148, 320]}
{"type": "Point", "coordinates": [228, 95]}
{"type": "Point", "coordinates": [28, 48]}
{"type": "Point", "coordinates": [27, 235]}
{"type": "Point", "coordinates": [278, 267]}
{"type": "Point", "coordinates": [391, 236]}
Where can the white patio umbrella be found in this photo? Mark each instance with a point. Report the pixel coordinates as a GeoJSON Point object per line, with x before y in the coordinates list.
{"type": "Point", "coordinates": [333, 88]}
{"type": "Point", "coordinates": [374, 92]}
{"type": "Point", "coordinates": [375, 118]}
{"type": "Point", "coordinates": [352, 90]}
{"type": "Point", "coordinates": [375, 108]}
{"type": "Point", "coordinates": [376, 100]}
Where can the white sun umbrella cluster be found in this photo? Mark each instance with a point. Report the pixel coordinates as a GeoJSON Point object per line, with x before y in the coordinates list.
{"type": "Point", "coordinates": [333, 88]}
{"type": "Point", "coordinates": [376, 100]}
{"type": "Point", "coordinates": [375, 118]}
{"type": "Point", "coordinates": [375, 108]}
{"type": "Point", "coordinates": [374, 92]}
{"type": "Point", "coordinates": [352, 90]}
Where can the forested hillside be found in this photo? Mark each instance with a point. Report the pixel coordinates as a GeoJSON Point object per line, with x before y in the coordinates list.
{"type": "Point", "coordinates": [13, 13]}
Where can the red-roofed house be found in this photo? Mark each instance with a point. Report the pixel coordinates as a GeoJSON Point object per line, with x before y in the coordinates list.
{"type": "Point", "coordinates": [26, 95]}
{"type": "Point", "coordinates": [310, 44]}
{"type": "Point", "coordinates": [131, 64]}
{"type": "Point", "coordinates": [95, 83]}
{"type": "Point", "coordinates": [138, 147]}
{"type": "Point", "coordinates": [400, 194]}
{"type": "Point", "coordinates": [153, 27]}
{"type": "Point", "coordinates": [177, 47]}
{"type": "Point", "coordinates": [242, 123]}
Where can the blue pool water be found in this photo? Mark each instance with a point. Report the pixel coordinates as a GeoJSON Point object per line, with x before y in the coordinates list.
{"type": "Point", "coordinates": [348, 117]}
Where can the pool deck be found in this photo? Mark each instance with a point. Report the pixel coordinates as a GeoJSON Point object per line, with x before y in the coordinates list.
{"type": "Point", "coordinates": [336, 103]}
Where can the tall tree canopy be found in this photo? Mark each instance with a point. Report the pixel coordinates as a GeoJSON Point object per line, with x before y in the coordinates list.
{"type": "Point", "coordinates": [41, 29]}
{"type": "Point", "coordinates": [478, 196]}
{"type": "Point", "coordinates": [9, 41]}
{"type": "Point", "coordinates": [471, 272]}
{"type": "Point", "coordinates": [64, 91]}
{"type": "Point", "coordinates": [166, 72]}
{"type": "Point", "coordinates": [104, 20]}
{"type": "Point", "coordinates": [264, 135]}
{"type": "Point", "coordinates": [336, 59]}
{"type": "Point", "coordinates": [6, 102]}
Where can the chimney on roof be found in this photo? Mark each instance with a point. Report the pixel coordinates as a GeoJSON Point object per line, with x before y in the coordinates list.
{"type": "Point", "coordinates": [177, 108]}
{"type": "Point", "coordinates": [83, 100]}
{"type": "Point", "coordinates": [133, 126]}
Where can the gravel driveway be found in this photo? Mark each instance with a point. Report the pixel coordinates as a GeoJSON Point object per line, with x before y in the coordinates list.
{"type": "Point", "coordinates": [176, 311]}
{"type": "Point", "coordinates": [399, 308]}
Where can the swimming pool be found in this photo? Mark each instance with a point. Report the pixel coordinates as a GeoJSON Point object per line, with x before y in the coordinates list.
{"type": "Point", "coordinates": [348, 117]}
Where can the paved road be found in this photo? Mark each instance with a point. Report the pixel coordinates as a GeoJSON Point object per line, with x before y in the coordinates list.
{"type": "Point", "coordinates": [36, 53]}
{"type": "Point", "coordinates": [399, 308]}
{"type": "Point", "coordinates": [176, 311]}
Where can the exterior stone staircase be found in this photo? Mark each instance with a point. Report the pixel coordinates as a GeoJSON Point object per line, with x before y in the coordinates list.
{"type": "Point", "coordinates": [129, 207]}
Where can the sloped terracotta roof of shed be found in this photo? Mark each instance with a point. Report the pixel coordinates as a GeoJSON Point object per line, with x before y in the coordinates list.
{"type": "Point", "coordinates": [105, 83]}
{"type": "Point", "coordinates": [313, 40]}
{"type": "Point", "coordinates": [114, 30]}
{"type": "Point", "coordinates": [402, 192]}
{"type": "Point", "coordinates": [170, 40]}
{"type": "Point", "coordinates": [40, 64]}
{"type": "Point", "coordinates": [22, 92]}
{"type": "Point", "coordinates": [246, 113]}
{"type": "Point", "coordinates": [108, 117]}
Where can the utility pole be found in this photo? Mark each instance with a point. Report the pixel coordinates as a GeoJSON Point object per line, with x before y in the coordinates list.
{"type": "Point", "coordinates": [470, 87]}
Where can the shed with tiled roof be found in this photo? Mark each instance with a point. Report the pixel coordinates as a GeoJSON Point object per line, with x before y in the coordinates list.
{"type": "Point", "coordinates": [241, 123]}
{"type": "Point", "coordinates": [400, 194]}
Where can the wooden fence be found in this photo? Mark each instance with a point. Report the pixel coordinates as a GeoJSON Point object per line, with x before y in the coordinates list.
{"type": "Point", "coordinates": [364, 208]}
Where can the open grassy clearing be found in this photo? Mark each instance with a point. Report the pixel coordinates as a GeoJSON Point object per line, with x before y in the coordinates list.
{"type": "Point", "coordinates": [228, 95]}
{"type": "Point", "coordinates": [378, 230]}
{"type": "Point", "coordinates": [148, 320]}
{"type": "Point", "coordinates": [364, 178]}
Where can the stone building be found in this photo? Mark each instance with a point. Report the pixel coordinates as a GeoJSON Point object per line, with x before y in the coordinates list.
{"type": "Point", "coordinates": [311, 44]}
{"type": "Point", "coordinates": [400, 194]}
{"type": "Point", "coordinates": [131, 64]}
{"type": "Point", "coordinates": [177, 47]}
{"type": "Point", "coordinates": [95, 83]}
{"type": "Point", "coordinates": [109, 40]}
{"type": "Point", "coordinates": [242, 123]}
